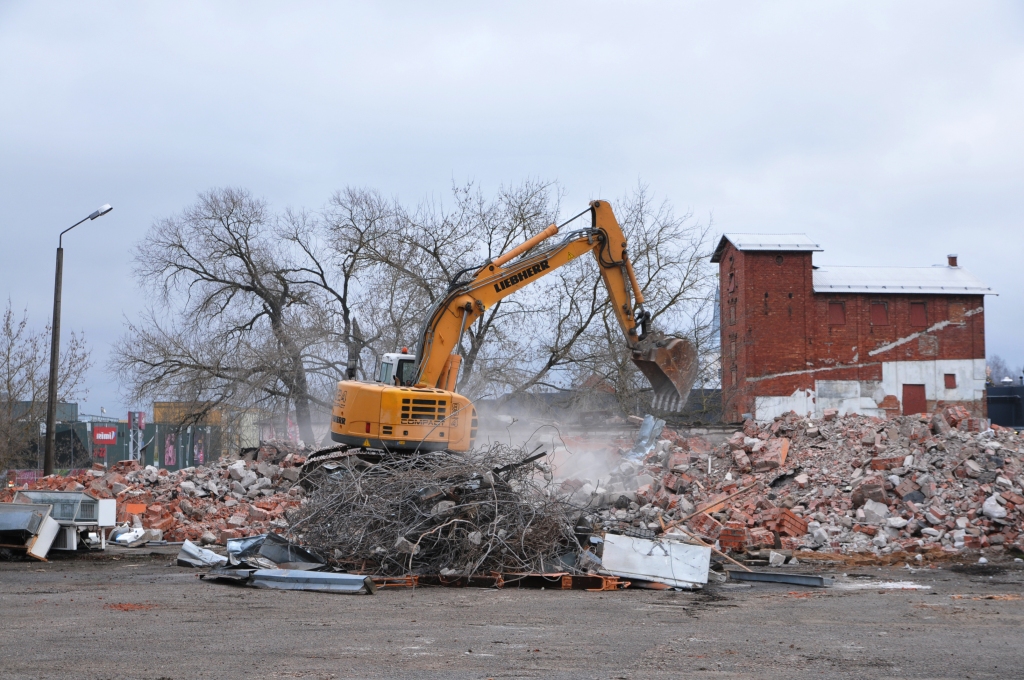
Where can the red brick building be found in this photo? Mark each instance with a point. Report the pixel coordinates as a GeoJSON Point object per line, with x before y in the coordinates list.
{"type": "Point", "coordinates": [870, 340]}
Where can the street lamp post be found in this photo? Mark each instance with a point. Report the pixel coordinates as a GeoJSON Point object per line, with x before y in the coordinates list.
{"type": "Point", "coordinates": [51, 400]}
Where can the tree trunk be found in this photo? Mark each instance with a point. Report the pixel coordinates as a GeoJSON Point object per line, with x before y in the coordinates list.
{"type": "Point", "coordinates": [300, 396]}
{"type": "Point", "coordinates": [298, 385]}
{"type": "Point", "coordinates": [304, 421]}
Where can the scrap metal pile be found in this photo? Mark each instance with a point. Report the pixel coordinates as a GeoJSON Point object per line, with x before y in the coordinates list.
{"type": "Point", "coordinates": [448, 514]}
{"type": "Point", "coordinates": [933, 484]}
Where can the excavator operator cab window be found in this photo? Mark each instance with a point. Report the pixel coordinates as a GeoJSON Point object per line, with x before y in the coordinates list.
{"type": "Point", "coordinates": [385, 372]}
{"type": "Point", "coordinates": [406, 374]}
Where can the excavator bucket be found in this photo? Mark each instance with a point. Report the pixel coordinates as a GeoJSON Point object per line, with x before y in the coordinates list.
{"type": "Point", "coordinates": [670, 364]}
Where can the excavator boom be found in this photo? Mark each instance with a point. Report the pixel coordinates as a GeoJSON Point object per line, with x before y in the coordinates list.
{"type": "Point", "coordinates": [413, 406]}
{"type": "Point", "coordinates": [669, 363]}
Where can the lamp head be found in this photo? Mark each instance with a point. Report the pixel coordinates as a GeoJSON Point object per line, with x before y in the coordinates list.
{"type": "Point", "coordinates": [102, 210]}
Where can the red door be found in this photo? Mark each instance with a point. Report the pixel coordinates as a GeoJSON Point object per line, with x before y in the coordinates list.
{"type": "Point", "coordinates": [913, 400]}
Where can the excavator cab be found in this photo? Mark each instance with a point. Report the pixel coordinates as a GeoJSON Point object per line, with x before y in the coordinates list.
{"type": "Point", "coordinates": [397, 369]}
{"type": "Point", "coordinates": [391, 414]}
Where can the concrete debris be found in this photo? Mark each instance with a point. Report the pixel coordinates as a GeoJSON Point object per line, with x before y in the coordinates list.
{"type": "Point", "coordinates": [228, 499]}
{"type": "Point", "coordinates": [859, 485]}
{"type": "Point", "coordinates": [844, 484]}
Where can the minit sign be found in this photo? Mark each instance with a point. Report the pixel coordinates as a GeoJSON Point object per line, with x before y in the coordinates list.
{"type": "Point", "coordinates": [104, 435]}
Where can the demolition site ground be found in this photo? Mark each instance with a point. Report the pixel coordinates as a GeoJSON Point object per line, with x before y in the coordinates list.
{"type": "Point", "coordinates": [135, 615]}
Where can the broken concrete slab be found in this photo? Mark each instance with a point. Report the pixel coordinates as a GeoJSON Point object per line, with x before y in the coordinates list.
{"type": "Point", "coordinates": [875, 512]}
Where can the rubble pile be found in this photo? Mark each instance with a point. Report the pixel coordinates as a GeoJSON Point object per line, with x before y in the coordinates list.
{"type": "Point", "coordinates": [443, 513]}
{"type": "Point", "coordinates": [229, 499]}
{"type": "Point", "coordinates": [851, 484]}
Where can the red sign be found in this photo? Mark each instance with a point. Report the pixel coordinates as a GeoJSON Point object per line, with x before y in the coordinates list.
{"type": "Point", "coordinates": [99, 451]}
{"type": "Point", "coordinates": [104, 435]}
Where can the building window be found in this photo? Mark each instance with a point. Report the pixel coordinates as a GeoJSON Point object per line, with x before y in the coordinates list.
{"type": "Point", "coordinates": [732, 349]}
{"type": "Point", "coordinates": [732, 282]}
{"type": "Point", "coordinates": [837, 313]}
{"type": "Point", "coordinates": [950, 381]}
{"type": "Point", "coordinates": [778, 259]}
{"type": "Point", "coordinates": [918, 315]}
{"type": "Point", "coordinates": [879, 314]}
{"type": "Point", "coordinates": [732, 374]}
{"type": "Point", "coordinates": [732, 314]}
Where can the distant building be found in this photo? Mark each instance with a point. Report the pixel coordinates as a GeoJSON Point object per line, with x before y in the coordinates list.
{"type": "Point", "coordinates": [870, 340]}
{"type": "Point", "coordinates": [186, 412]}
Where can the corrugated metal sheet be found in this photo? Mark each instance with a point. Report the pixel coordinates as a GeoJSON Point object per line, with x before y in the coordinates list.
{"type": "Point", "coordinates": [779, 242]}
{"type": "Point", "coordinates": [289, 579]}
{"type": "Point", "coordinates": [923, 280]}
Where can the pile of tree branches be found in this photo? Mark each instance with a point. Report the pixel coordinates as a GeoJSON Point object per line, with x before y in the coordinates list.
{"type": "Point", "coordinates": [442, 513]}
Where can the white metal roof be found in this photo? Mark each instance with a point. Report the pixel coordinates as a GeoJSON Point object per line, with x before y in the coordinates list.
{"type": "Point", "coordinates": [780, 242]}
{"type": "Point", "coordinates": [923, 280]}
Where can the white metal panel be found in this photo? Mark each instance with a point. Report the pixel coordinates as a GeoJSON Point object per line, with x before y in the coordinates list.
{"type": "Point", "coordinates": [941, 280]}
{"type": "Point", "coordinates": [676, 564]}
{"type": "Point", "coordinates": [39, 545]}
{"type": "Point", "coordinates": [107, 512]}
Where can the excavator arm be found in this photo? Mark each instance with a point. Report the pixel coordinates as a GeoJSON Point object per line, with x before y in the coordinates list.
{"type": "Point", "coordinates": [669, 363]}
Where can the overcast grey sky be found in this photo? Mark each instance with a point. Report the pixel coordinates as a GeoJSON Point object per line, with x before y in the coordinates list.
{"type": "Point", "coordinates": [891, 133]}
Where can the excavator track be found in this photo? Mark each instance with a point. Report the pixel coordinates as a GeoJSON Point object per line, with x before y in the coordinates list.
{"type": "Point", "coordinates": [339, 452]}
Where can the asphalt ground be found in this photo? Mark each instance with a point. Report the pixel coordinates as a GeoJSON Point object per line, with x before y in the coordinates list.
{"type": "Point", "coordinates": [135, 615]}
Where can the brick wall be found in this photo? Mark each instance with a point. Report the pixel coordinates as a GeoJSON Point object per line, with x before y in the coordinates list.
{"type": "Point", "coordinates": [777, 338]}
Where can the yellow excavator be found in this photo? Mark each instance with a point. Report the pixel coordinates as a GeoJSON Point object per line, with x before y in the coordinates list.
{"type": "Point", "coordinates": [412, 405]}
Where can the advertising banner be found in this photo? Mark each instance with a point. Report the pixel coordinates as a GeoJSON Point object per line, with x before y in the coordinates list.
{"type": "Point", "coordinates": [104, 435]}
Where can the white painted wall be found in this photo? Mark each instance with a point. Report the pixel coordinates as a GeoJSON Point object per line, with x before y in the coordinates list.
{"type": "Point", "coordinates": [854, 396]}
{"type": "Point", "coordinates": [801, 401]}
{"type": "Point", "coordinates": [848, 396]}
{"type": "Point", "coordinates": [970, 378]}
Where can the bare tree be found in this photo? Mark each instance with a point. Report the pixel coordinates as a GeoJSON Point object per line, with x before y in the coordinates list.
{"type": "Point", "coordinates": [241, 322]}
{"type": "Point", "coordinates": [429, 246]}
{"type": "Point", "coordinates": [998, 370]}
{"type": "Point", "coordinates": [24, 378]}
